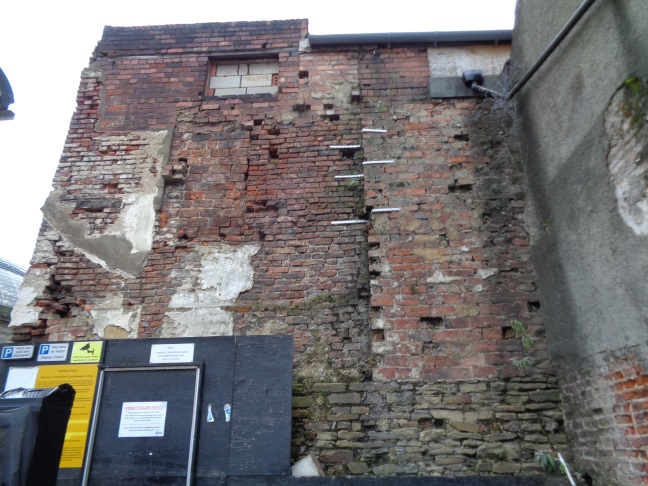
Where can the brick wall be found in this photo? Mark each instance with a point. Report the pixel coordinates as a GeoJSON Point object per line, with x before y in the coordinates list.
{"type": "Point", "coordinates": [605, 408]}
{"type": "Point", "coordinates": [401, 325]}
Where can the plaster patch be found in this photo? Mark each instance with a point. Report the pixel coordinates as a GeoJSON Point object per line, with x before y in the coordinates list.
{"type": "Point", "coordinates": [487, 272]}
{"type": "Point", "coordinates": [198, 323]}
{"type": "Point", "coordinates": [34, 284]}
{"type": "Point", "coordinates": [124, 245]}
{"type": "Point", "coordinates": [110, 312]}
{"type": "Point", "coordinates": [196, 309]}
{"type": "Point", "coordinates": [269, 328]}
{"type": "Point", "coordinates": [438, 277]}
{"type": "Point", "coordinates": [138, 219]}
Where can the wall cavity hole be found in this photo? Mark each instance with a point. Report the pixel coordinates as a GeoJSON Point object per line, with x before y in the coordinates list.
{"type": "Point", "coordinates": [303, 74]}
{"type": "Point", "coordinates": [257, 123]}
{"type": "Point", "coordinates": [508, 333]}
{"type": "Point", "coordinates": [273, 152]}
{"type": "Point", "coordinates": [460, 187]}
{"type": "Point", "coordinates": [378, 335]}
{"type": "Point", "coordinates": [432, 321]}
{"type": "Point", "coordinates": [533, 306]}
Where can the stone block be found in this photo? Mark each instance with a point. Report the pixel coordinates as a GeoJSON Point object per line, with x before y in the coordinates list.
{"type": "Point", "coordinates": [329, 387]}
{"type": "Point", "coordinates": [301, 402]}
{"type": "Point", "coordinates": [403, 398]}
{"type": "Point", "coordinates": [446, 460]}
{"type": "Point", "coordinates": [506, 468]}
{"type": "Point", "coordinates": [341, 398]}
{"type": "Point", "coordinates": [453, 415]}
{"type": "Point", "coordinates": [358, 468]}
{"type": "Point", "coordinates": [334, 457]}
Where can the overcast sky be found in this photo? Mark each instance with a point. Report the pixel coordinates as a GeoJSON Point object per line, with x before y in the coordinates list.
{"type": "Point", "coordinates": [44, 45]}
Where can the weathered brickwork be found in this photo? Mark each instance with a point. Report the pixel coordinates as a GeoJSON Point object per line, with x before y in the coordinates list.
{"type": "Point", "coordinates": [606, 412]}
{"type": "Point", "coordinates": [401, 323]}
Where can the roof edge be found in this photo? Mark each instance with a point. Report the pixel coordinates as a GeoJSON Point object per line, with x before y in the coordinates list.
{"type": "Point", "coordinates": [437, 38]}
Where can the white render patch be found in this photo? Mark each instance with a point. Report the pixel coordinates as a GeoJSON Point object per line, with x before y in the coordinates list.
{"type": "Point", "coordinates": [198, 323]}
{"type": "Point", "coordinates": [488, 272]}
{"type": "Point", "coordinates": [439, 277]}
{"type": "Point", "coordinates": [374, 130]}
{"type": "Point", "coordinates": [33, 285]}
{"type": "Point", "coordinates": [350, 176]}
{"type": "Point", "coordinates": [196, 309]}
{"type": "Point", "coordinates": [110, 311]}
{"type": "Point", "coordinates": [137, 219]}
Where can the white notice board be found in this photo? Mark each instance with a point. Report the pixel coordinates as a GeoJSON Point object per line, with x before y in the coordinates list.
{"type": "Point", "coordinates": [142, 419]}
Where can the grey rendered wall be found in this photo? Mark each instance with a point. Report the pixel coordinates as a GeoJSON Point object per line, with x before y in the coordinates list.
{"type": "Point", "coordinates": [592, 265]}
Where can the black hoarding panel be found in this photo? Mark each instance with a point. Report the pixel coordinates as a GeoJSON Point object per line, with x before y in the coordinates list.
{"type": "Point", "coordinates": [261, 408]}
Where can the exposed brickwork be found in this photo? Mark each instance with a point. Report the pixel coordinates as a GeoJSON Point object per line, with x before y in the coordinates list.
{"type": "Point", "coordinates": [606, 417]}
{"type": "Point", "coordinates": [401, 326]}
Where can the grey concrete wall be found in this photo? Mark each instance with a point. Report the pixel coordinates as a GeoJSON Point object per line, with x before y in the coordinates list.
{"type": "Point", "coordinates": [584, 131]}
{"type": "Point", "coordinates": [592, 265]}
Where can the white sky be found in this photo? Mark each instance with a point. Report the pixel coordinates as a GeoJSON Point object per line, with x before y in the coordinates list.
{"type": "Point", "coordinates": [45, 44]}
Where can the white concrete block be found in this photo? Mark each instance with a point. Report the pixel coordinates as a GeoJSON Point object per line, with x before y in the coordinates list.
{"type": "Point", "coordinates": [264, 68]}
{"type": "Point", "coordinates": [253, 80]}
{"type": "Point", "coordinates": [273, 90]}
{"type": "Point", "coordinates": [243, 69]}
{"type": "Point", "coordinates": [229, 91]}
{"type": "Point", "coordinates": [225, 82]}
{"type": "Point", "coordinates": [227, 70]}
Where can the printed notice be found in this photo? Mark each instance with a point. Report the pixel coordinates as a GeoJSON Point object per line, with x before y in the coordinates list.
{"type": "Point", "coordinates": [83, 378]}
{"type": "Point", "coordinates": [172, 353]}
{"type": "Point", "coordinates": [142, 419]}
{"type": "Point", "coordinates": [52, 352]}
{"type": "Point", "coordinates": [21, 378]}
{"type": "Point", "coordinates": [18, 352]}
{"type": "Point", "coordinates": [86, 352]}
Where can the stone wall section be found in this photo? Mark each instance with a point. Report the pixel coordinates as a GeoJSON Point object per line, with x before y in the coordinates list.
{"type": "Point", "coordinates": [401, 324]}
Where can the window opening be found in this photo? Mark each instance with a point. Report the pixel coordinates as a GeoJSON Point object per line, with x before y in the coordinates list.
{"type": "Point", "coordinates": [227, 78]}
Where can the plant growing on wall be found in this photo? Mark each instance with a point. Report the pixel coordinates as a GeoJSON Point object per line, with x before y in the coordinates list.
{"type": "Point", "coordinates": [527, 342]}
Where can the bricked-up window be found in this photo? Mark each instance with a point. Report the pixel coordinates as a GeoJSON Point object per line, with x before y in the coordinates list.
{"type": "Point", "coordinates": [243, 78]}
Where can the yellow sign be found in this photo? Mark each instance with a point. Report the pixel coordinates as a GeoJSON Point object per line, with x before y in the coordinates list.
{"type": "Point", "coordinates": [83, 378]}
{"type": "Point", "coordinates": [86, 352]}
